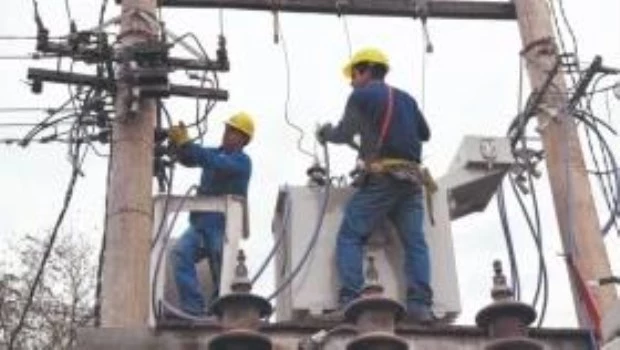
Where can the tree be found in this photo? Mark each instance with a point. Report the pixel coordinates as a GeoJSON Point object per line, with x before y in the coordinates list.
{"type": "Point", "coordinates": [63, 301]}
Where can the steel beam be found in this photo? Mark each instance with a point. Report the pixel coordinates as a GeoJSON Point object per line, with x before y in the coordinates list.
{"type": "Point", "coordinates": [487, 10]}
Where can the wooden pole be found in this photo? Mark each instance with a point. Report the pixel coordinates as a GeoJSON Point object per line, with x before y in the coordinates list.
{"type": "Point", "coordinates": [125, 287]}
{"type": "Point", "coordinates": [574, 206]}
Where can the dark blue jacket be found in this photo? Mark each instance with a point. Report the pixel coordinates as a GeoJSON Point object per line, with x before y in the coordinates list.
{"type": "Point", "coordinates": [222, 173]}
{"type": "Point", "coordinates": [364, 114]}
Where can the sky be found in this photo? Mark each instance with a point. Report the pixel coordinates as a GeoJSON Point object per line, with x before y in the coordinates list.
{"type": "Point", "coordinates": [468, 85]}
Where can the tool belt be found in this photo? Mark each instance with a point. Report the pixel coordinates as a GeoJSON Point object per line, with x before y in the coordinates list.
{"type": "Point", "coordinates": [398, 169]}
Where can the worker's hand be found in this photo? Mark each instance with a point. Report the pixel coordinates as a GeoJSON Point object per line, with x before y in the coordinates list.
{"type": "Point", "coordinates": [178, 134]}
{"type": "Point", "coordinates": [323, 132]}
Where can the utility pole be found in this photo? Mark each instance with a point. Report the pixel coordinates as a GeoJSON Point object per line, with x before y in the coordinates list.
{"type": "Point", "coordinates": [128, 224]}
{"type": "Point", "coordinates": [575, 209]}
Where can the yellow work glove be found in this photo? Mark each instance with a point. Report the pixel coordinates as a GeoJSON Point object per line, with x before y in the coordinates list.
{"type": "Point", "coordinates": [178, 134]}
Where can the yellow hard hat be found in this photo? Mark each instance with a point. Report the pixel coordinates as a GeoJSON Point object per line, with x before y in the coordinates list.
{"type": "Point", "coordinates": [243, 122]}
{"type": "Point", "coordinates": [370, 55]}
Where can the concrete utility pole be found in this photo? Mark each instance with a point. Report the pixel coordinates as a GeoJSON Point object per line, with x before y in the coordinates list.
{"type": "Point", "coordinates": [125, 287]}
{"type": "Point", "coordinates": [574, 206]}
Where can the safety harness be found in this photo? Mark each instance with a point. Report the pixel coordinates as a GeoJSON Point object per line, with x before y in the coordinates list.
{"type": "Point", "coordinates": [399, 169]}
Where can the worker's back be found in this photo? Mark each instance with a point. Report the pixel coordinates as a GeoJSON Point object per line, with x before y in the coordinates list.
{"type": "Point", "coordinates": [406, 128]}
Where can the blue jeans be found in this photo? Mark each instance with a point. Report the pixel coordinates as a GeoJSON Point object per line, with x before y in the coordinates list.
{"type": "Point", "coordinates": [196, 243]}
{"type": "Point", "coordinates": [403, 203]}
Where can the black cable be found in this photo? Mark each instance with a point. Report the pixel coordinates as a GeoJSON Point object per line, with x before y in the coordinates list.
{"type": "Point", "coordinates": [44, 139]}
{"type": "Point", "coordinates": [96, 151]}
{"type": "Point", "coordinates": [317, 230]}
{"type": "Point", "coordinates": [603, 89]}
{"type": "Point", "coordinates": [68, 11]}
{"type": "Point", "coordinates": [67, 199]}
{"type": "Point", "coordinates": [214, 83]}
{"type": "Point", "coordinates": [45, 122]}
{"type": "Point", "coordinates": [166, 113]}
{"type": "Point", "coordinates": [102, 10]}
{"type": "Point", "coordinates": [604, 180]}
{"type": "Point", "coordinates": [99, 287]}
{"type": "Point", "coordinates": [562, 43]}
{"type": "Point", "coordinates": [164, 248]}
{"type": "Point", "coordinates": [514, 268]}
{"type": "Point", "coordinates": [600, 175]}
{"type": "Point", "coordinates": [613, 164]}
{"type": "Point", "coordinates": [275, 247]}
{"type": "Point", "coordinates": [543, 272]}
{"type": "Point", "coordinates": [203, 119]}
{"type": "Point", "coordinates": [569, 27]}
{"type": "Point", "coordinates": [193, 37]}
{"type": "Point", "coordinates": [542, 283]}
{"type": "Point", "coordinates": [288, 97]}
{"type": "Point", "coordinates": [160, 228]}
{"type": "Point", "coordinates": [541, 262]}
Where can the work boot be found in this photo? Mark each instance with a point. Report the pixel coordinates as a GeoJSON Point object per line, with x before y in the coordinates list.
{"type": "Point", "coordinates": [420, 314]}
{"type": "Point", "coordinates": [345, 297]}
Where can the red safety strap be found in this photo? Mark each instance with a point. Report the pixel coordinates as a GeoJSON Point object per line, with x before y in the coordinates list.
{"type": "Point", "coordinates": [387, 118]}
{"type": "Point", "coordinates": [589, 302]}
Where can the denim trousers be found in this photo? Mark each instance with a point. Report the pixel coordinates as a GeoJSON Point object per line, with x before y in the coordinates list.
{"type": "Point", "coordinates": [383, 197]}
{"type": "Point", "coordinates": [197, 243]}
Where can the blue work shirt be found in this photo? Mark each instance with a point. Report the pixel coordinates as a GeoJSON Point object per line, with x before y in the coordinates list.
{"type": "Point", "coordinates": [364, 114]}
{"type": "Point", "coordinates": [223, 173]}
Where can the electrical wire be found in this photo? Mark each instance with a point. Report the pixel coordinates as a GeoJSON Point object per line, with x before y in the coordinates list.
{"type": "Point", "coordinates": [424, 62]}
{"type": "Point", "coordinates": [345, 26]}
{"type": "Point", "coordinates": [317, 230]}
{"type": "Point", "coordinates": [601, 177]}
{"type": "Point", "coordinates": [569, 27]}
{"type": "Point", "coordinates": [46, 122]}
{"type": "Point", "coordinates": [614, 165]}
{"type": "Point", "coordinates": [22, 37]}
{"type": "Point", "coordinates": [514, 267]}
{"type": "Point", "coordinates": [542, 284]}
{"type": "Point", "coordinates": [287, 98]}
{"type": "Point", "coordinates": [99, 285]}
{"type": "Point", "coordinates": [68, 11]}
{"type": "Point", "coordinates": [542, 280]}
{"type": "Point", "coordinates": [48, 249]}
{"type": "Point", "coordinates": [32, 56]}
{"type": "Point", "coordinates": [165, 240]}
{"type": "Point", "coordinates": [541, 293]}
{"type": "Point", "coordinates": [276, 244]}
{"type": "Point", "coordinates": [32, 109]}
{"type": "Point", "coordinates": [210, 104]}
{"type": "Point", "coordinates": [220, 14]}
{"type": "Point", "coordinates": [606, 181]}
{"type": "Point", "coordinates": [42, 140]}
{"type": "Point", "coordinates": [160, 228]}
{"type": "Point", "coordinates": [21, 125]}
{"type": "Point", "coordinates": [104, 6]}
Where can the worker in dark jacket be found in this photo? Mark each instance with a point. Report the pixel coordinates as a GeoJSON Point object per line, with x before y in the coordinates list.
{"type": "Point", "coordinates": [226, 170]}
{"type": "Point", "coordinates": [391, 129]}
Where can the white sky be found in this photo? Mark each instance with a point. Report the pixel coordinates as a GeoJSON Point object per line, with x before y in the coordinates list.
{"type": "Point", "coordinates": [471, 88]}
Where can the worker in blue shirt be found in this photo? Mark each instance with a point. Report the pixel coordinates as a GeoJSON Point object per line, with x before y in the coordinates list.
{"type": "Point", "coordinates": [226, 170]}
{"type": "Point", "coordinates": [391, 129]}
